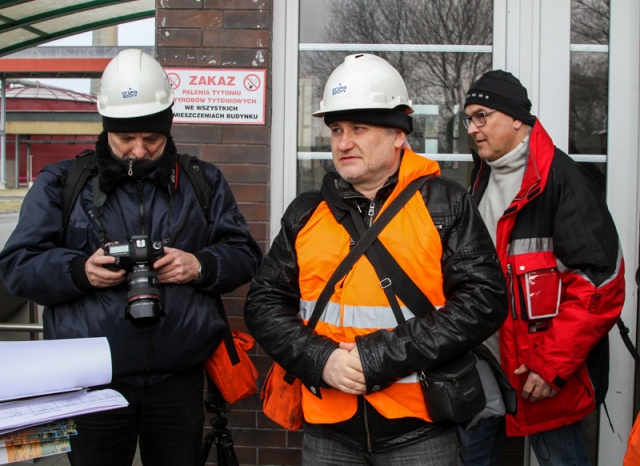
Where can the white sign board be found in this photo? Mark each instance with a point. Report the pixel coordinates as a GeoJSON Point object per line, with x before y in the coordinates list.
{"type": "Point", "coordinates": [218, 95]}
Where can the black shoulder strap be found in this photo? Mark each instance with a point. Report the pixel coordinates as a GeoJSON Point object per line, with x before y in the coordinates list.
{"type": "Point", "coordinates": [362, 244]}
{"type": "Point", "coordinates": [228, 336]}
{"type": "Point", "coordinates": [393, 279]}
{"type": "Point", "coordinates": [83, 167]}
{"type": "Point", "coordinates": [194, 171]}
{"type": "Point", "coordinates": [624, 333]}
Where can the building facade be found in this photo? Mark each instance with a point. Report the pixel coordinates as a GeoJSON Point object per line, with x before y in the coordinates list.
{"type": "Point", "coordinates": [579, 59]}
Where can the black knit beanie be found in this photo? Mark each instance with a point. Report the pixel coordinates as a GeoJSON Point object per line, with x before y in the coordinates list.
{"type": "Point", "coordinates": [155, 123]}
{"type": "Point", "coordinates": [501, 91]}
{"type": "Point", "coordinates": [390, 118]}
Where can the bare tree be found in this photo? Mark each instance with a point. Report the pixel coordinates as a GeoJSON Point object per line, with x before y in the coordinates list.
{"type": "Point", "coordinates": [590, 21]}
{"type": "Point", "coordinates": [589, 77]}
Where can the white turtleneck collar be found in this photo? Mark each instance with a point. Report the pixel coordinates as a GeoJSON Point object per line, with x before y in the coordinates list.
{"type": "Point", "coordinates": [504, 183]}
{"type": "Point", "coordinates": [511, 162]}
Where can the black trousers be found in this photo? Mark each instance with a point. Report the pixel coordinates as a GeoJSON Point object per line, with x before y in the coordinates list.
{"type": "Point", "coordinates": [165, 418]}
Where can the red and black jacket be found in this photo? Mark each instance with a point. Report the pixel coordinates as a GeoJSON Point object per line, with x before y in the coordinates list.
{"type": "Point", "coordinates": [559, 250]}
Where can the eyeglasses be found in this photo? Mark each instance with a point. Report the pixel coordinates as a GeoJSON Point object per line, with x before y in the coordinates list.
{"type": "Point", "coordinates": [479, 119]}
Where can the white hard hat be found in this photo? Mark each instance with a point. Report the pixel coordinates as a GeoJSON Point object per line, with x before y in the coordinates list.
{"type": "Point", "coordinates": [364, 81]}
{"type": "Point", "coordinates": [133, 85]}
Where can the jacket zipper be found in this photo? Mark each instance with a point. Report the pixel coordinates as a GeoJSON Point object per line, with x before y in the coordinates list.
{"type": "Point", "coordinates": [140, 195]}
{"type": "Point", "coordinates": [371, 213]}
{"type": "Point", "coordinates": [514, 314]}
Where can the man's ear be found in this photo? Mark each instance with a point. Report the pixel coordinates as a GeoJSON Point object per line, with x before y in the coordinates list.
{"type": "Point", "coordinates": [517, 124]}
{"type": "Point", "coordinates": [401, 139]}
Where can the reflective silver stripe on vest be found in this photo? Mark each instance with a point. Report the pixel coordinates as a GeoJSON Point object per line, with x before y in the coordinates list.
{"type": "Point", "coordinates": [359, 317]}
{"type": "Point", "coordinates": [355, 316]}
{"type": "Point", "coordinates": [331, 314]}
{"type": "Point", "coordinates": [524, 246]}
{"type": "Point", "coordinates": [413, 378]}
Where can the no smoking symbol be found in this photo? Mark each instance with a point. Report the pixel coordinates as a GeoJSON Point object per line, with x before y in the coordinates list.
{"type": "Point", "coordinates": [174, 79]}
{"type": "Point", "coordinates": [252, 82]}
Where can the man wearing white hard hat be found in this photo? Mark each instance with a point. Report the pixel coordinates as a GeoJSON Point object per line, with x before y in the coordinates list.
{"type": "Point", "coordinates": [361, 397]}
{"type": "Point", "coordinates": [138, 262]}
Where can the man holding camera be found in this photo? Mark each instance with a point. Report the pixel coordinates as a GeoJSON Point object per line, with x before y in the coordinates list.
{"type": "Point", "coordinates": [151, 295]}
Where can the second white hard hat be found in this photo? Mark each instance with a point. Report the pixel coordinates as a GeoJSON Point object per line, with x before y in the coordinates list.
{"type": "Point", "coordinates": [364, 81]}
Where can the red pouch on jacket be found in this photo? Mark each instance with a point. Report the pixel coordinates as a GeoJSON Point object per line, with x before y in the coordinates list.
{"type": "Point", "coordinates": [235, 381]}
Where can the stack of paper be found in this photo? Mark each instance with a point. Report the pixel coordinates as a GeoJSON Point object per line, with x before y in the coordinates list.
{"type": "Point", "coordinates": [45, 381]}
{"type": "Point", "coordinates": [33, 368]}
{"type": "Point", "coordinates": [39, 410]}
{"type": "Point", "coordinates": [35, 442]}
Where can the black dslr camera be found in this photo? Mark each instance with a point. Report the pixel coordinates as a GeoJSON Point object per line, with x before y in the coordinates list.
{"type": "Point", "coordinates": [137, 256]}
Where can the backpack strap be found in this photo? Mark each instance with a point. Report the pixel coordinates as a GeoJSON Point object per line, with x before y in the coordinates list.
{"type": "Point", "coordinates": [194, 171]}
{"type": "Point", "coordinates": [83, 167]}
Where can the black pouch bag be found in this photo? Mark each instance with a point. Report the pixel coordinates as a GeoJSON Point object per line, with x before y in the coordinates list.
{"type": "Point", "coordinates": [453, 390]}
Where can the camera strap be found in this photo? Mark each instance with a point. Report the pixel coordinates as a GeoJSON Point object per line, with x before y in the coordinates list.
{"type": "Point", "coordinates": [99, 198]}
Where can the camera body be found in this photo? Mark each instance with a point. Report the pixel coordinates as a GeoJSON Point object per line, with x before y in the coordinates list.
{"type": "Point", "coordinates": [144, 305]}
{"type": "Point", "coordinates": [138, 250]}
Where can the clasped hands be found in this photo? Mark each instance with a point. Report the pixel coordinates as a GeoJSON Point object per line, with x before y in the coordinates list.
{"type": "Point", "coordinates": [343, 370]}
{"type": "Point", "coordinates": [535, 388]}
{"type": "Point", "coordinates": [175, 266]}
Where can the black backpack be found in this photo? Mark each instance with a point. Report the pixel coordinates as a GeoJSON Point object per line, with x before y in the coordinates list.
{"type": "Point", "coordinates": [84, 167]}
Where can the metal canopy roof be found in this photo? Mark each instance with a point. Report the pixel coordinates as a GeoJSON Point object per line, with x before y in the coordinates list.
{"type": "Point", "coordinates": [27, 23]}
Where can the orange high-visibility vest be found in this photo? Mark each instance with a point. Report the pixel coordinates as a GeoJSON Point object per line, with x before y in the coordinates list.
{"type": "Point", "coordinates": [632, 456]}
{"type": "Point", "coordinates": [359, 305]}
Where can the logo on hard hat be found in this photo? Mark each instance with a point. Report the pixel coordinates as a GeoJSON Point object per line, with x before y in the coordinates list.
{"type": "Point", "coordinates": [129, 93]}
{"type": "Point", "coordinates": [338, 89]}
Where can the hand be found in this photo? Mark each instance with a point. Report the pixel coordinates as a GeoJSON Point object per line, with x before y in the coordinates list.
{"type": "Point", "coordinates": [98, 275]}
{"type": "Point", "coordinates": [535, 388]}
{"type": "Point", "coordinates": [343, 370]}
{"type": "Point", "coordinates": [176, 267]}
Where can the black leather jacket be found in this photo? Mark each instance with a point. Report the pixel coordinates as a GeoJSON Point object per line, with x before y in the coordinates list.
{"type": "Point", "coordinates": [476, 306]}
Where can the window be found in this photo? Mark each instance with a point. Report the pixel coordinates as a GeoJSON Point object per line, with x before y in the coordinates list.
{"type": "Point", "coordinates": [589, 86]}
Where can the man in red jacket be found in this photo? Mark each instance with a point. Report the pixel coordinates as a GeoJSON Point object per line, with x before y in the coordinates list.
{"type": "Point", "coordinates": [559, 250]}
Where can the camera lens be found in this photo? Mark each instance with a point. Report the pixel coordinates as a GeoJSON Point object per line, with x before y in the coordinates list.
{"type": "Point", "coordinates": [144, 307]}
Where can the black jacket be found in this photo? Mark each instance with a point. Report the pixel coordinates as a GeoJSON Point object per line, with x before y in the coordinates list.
{"type": "Point", "coordinates": [44, 262]}
{"type": "Point", "coordinates": [475, 307]}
